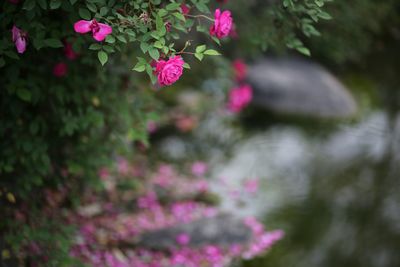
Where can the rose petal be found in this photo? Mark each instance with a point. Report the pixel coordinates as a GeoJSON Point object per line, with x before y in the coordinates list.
{"type": "Point", "coordinates": [82, 26]}
{"type": "Point", "coordinates": [103, 32]}
{"type": "Point", "coordinates": [20, 44]}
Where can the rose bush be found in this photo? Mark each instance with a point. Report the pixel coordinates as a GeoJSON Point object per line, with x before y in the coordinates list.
{"type": "Point", "coordinates": [70, 102]}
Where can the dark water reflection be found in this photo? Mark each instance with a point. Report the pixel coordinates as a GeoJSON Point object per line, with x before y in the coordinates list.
{"type": "Point", "coordinates": [349, 215]}
{"type": "Point", "coordinates": [334, 187]}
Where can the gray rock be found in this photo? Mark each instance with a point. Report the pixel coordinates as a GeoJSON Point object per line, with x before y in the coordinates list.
{"type": "Point", "coordinates": [297, 86]}
{"type": "Point", "coordinates": [221, 230]}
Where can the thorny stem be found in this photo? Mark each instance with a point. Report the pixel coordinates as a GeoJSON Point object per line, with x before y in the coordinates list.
{"type": "Point", "coordinates": [183, 52]}
{"type": "Point", "coordinates": [200, 16]}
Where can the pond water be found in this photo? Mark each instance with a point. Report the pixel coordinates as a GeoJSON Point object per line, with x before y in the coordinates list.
{"type": "Point", "coordinates": [333, 186]}
{"type": "Point", "coordinates": [336, 194]}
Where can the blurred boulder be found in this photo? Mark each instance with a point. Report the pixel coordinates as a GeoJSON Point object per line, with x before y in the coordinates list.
{"type": "Point", "coordinates": [297, 86]}
{"type": "Point", "coordinates": [221, 230]}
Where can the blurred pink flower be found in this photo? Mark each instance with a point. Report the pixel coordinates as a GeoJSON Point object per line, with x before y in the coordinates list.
{"type": "Point", "coordinates": [104, 173]}
{"type": "Point", "coordinates": [148, 201]}
{"type": "Point", "coordinates": [222, 24]}
{"type": "Point", "coordinates": [186, 123]}
{"type": "Point", "coordinates": [240, 69]}
{"type": "Point", "coordinates": [19, 38]}
{"type": "Point", "coordinates": [151, 126]}
{"type": "Point", "coordinates": [122, 166]}
{"type": "Point", "coordinates": [199, 168]}
{"type": "Point", "coordinates": [183, 239]}
{"type": "Point", "coordinates": [60, 69]}
{"type": "Point", "coordinates": [69, 51]}
{"type": "Point", "coordinates": [251, 185]}
{"type": "Point", "coordinates": [239, 98]}
{"type": "Point", "coordinates": [202, 186]}
{"type": "Point", "coordinates": [256, 227]}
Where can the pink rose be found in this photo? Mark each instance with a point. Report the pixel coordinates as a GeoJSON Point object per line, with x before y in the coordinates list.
{"type": "Point", "coordinates": [240, 69]}
{"type": "Point", "coordinates": [19, 39]}
{"type": "Point", "coordinates": [240, 97]}
{"type": "Point", "coordinates": [99, 30]}
{"type": "Point", "coordinates": [169, 71]}
{"type": "Point", "coordinates": [222, 24]}
{"type": "Point", "coordinates": [60, 69]}
{"type": "Point", "coordinates": [185, 9]}
{"type": "Point", "coordinates": [13, 1]}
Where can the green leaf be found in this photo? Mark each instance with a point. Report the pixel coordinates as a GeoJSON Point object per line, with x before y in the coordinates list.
{"type": "Point", "coordinates": [11, 54]}
{"type": "Point", "coordinates": [199, 56]}
{"type": "Point", "coordinates": [200, 48]}
{"type": "Point", "coordinates": [24, 94]}
{"type": "Point", "coordinates": [54, 4]}
{"type": "Point", "coordinates": [153, 52]}
{"type": "Point", "coordinates": [202, 7]}
{"type": "Point", "coordinates": [304, 50]}
{"type": "Point", "coordinates": [324, 15]}
{"type": "Point", "coordinates": [158, 44]}
{"type": "Point", "coordinates": [186, 65]}
{"type": "Point", "coordinates": [159, 23]}
{"type": "Point", "coordinates": [103, 57]}
{"type": "Point", "coordinates": [144, 47]}
{"type": "Point", "coordinates": [215, 39]}
{"type": "Point", "coordinates": [91, 7]}
{"type": "Point", "coordinates": [179, 16]}
{"type": "Point", "coordinates": [121, 38]}
{"type": "Point", "coordinates": [103, 11]}
{"type": "Point", "coordinates": [84, 13]}
{"type": "Point", "coordinates": [108, 48]}
{"type": "Point", "coordinates": [140, 66]}
{"type": "Point", "coordinates": [162, 12]}
{"type": "Point", "coordinates": [211, 52]}
{"type": "Point", "coordinates": [29, 4]}
{"type": "Point", "coordinates": [53, 42]}
{"type": "Point", "coordinates": [173, 6]}
{"type": "Point", "coordinates": [110, 39]}
{"type": "Point", "coordinates": [42, 4]}
{"type": "Point", "coordinates": [73, 1]}
{"type": "Point", "coordinates": [150, 72]}
{"type": "Point", "coordinates": [95, 46]}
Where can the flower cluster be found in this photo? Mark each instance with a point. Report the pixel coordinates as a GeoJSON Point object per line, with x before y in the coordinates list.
{"type": "Point", "coordinates": [240, 96]}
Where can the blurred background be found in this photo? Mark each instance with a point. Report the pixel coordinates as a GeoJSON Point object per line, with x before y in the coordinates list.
{"type": "Point", "coordinates": [323, 136]}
